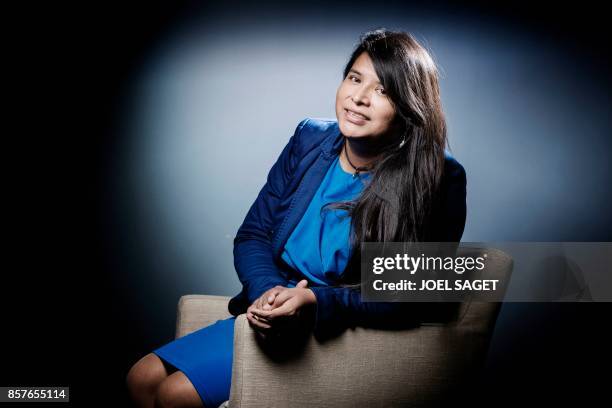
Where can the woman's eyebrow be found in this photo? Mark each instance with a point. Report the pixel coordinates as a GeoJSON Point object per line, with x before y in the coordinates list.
{"type": "Point", "coordinates": [359, 73]}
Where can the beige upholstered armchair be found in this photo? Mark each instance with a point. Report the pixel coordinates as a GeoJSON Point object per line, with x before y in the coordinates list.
{"type": "Point", "coordinates": [361, 367]}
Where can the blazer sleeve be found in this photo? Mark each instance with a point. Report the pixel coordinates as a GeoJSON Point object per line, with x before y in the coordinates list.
{"type": "Point", "coordinates": [253, 256]}
{"type": "Point", "coordinates": [338, 308]}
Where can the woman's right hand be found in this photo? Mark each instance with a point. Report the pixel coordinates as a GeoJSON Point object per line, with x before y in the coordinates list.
{"type": "Point", "coordinates": [267, 298]}
{"type": "Point", "coordinates": [265, 302]}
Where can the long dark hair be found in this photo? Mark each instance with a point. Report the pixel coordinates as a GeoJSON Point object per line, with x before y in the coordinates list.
{"type": "Point", "coordinates": [396, 204]}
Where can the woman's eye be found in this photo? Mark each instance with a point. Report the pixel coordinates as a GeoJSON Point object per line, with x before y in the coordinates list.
{"type": "Point", "coordinates": [382, 91]}
{"type": "Point", "coordinates": [351, 77]}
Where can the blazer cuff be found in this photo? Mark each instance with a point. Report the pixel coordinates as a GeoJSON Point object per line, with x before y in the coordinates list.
{"type": "Point", "coordinates": [325, 313]}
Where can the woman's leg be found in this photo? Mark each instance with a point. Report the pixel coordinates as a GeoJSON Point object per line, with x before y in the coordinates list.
{"type": "Point", "coordinates": [177, 391]}
{"type": "Point", "coordinates": [202, 363]}
{"type": "Point", "coordinates": [145, 377]}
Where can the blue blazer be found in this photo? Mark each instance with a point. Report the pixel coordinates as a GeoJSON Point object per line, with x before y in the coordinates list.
{"type": "Point", "coordinates": [280, 205]}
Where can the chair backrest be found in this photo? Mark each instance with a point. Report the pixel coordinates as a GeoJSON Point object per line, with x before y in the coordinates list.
{"type": "Point", "coordinates": [370, 367]}
{"type": "Point", "coordinates": [197, 311]}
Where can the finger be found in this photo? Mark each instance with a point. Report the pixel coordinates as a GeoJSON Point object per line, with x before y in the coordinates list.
{"type": "Point", "coordinates": [261, 314]}
{"type": "Point", "coordinates": [261, 301]}
{"type": "Point", "coordinates": [269, 302]}
{"type": "Point", "coordinates": [302, 284]}
{"type": "Point", "coordinates": [268, 297]}
{"type": "Point", "coordinates": [278, 291]}
{"type": "Point", "coordinates": [261, 319]}
{"type": "Point", "coordinates": [269, 305]}
{"type": "Point", "coordinates": [281, 299]}
{"type": "Point", "coordinates": [256, 303]}
{"type": "Point", "coordinates": [285, 310]}
{"type": "Point", "coordinates": [257, 323]}
{"type": "Point", "coordinates": [271, 297]}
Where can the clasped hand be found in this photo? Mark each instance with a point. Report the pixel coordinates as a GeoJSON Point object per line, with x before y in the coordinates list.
{"type": "Point", "coordinates": [278, 304]}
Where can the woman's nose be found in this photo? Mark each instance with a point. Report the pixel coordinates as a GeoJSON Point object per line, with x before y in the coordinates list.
{"type": "Point", "coordinates": [360, 96]}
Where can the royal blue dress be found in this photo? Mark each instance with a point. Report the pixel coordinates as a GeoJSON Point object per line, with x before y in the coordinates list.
{"type": "Point", "coordinates": [318, 248]}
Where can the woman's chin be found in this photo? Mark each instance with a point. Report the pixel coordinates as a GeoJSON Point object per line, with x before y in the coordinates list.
{"type": "Point", "coordinates": [351, 130]}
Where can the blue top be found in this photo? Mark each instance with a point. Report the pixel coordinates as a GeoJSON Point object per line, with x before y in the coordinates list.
{"type": "Point", "coordinates": [319, 246]}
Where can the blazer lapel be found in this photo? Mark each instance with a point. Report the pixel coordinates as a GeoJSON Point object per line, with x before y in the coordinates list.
{"type": "Point", "coordinates": [307, 188]}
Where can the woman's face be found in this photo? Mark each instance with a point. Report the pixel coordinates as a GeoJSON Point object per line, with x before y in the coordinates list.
{"type": "Point", "coordinates": [362, 106]}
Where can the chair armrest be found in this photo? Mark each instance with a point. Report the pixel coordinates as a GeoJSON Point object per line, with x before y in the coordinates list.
{"type": "Point", "coordinates": [362, 367]}
{"type": "Point", "coordinates": [197, 311]}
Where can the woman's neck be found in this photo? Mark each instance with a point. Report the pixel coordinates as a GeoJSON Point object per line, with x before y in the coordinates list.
{"type": "Point", "coordinates": [361, 152]}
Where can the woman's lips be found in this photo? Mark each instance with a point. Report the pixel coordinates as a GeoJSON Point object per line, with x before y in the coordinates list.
{"type": "Point", "coordinates": [354, 118]}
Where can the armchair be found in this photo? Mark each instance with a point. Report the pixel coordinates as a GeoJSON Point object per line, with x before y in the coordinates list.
{"type": "Point", "coordinates": [415, 367]}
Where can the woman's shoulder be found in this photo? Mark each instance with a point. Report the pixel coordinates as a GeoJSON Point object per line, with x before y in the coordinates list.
{"type": "Point", "coordinates": [454, 172]}
{"type": "Point", "coordinates": [316, 133]}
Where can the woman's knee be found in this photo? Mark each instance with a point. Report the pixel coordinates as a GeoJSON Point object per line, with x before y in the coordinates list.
{"type": "Point", "coordinates": [146, 375]}
{"type": "Point", "coordinates": [177, 391]}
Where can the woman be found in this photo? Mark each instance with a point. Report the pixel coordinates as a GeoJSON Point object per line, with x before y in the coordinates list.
{"type": "Point", "coordinates": [378, 174]}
